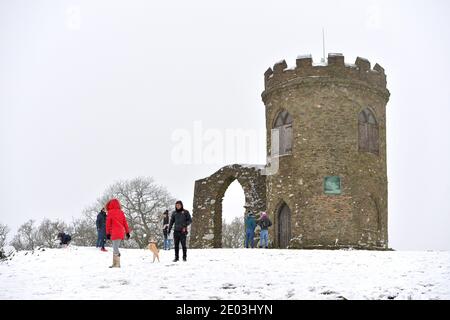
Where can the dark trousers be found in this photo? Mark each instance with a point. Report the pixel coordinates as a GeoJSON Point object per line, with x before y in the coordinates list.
{"type": "Point", "coordinates": [101, 238]}
{"type": "Point", "coordinates": [180, 237]}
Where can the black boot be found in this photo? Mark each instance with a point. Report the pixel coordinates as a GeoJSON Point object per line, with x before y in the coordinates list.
{"type": "Point", "coordinates": [175, 260]}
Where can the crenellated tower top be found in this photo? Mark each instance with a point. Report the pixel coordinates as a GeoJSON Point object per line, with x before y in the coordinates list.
{"type": "Point", "coordinates": [335, 70]}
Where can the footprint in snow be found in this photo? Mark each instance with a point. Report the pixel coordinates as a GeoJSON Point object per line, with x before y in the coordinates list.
{"type": "Point", "coordinates": [290, 293]}
{"type": "Point", "coordinates": [228, 286]}
{"type": "Point", "coordinates": [328, 292]}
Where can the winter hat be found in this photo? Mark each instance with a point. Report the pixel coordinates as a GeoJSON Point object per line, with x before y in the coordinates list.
{"type": "Point", "coordinates": [263, 214]}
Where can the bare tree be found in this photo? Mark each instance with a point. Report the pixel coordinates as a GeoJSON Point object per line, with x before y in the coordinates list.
{"type": "Point", "coordinates": [233, 235]}
{"type": "Point", "coordinates": [4, 230]}
{"type": "Point", "coordinates": [143, 202]}
{"type": "Point", "coordinates": [84, 232]}
{"type": "Point", "coordinates": [26, 237]}
{"type": "Point", "coordinates": [47, 233]}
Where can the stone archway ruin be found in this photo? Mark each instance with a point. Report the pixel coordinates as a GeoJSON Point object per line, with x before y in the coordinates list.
{"type": "Point", "coordinates": [206, 231]}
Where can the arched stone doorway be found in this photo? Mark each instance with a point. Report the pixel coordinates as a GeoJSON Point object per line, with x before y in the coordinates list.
{"type": "Point", "coordinates": [206, 230]}
{"type": "Point", "coordinates": [284, 233]}
{"type": "Point", "coordinates": [233, 213]}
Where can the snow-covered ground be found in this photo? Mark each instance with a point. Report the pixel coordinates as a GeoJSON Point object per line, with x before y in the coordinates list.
{"type": "Point", "coordinates": [83, 273]}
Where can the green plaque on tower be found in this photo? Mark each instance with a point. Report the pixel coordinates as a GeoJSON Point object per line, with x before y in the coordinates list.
{"type": "Point", "coordinates": [332, 185]}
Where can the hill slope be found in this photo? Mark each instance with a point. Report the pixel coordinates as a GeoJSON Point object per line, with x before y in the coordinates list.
{"type": "Point", "coordinates": [83, 273]}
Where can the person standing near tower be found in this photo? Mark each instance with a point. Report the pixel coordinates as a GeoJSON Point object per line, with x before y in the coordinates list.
{"type": "Point", "coordinates": [165, 229]}
{"type": "Point", "coordinates": [250, 225]}
{"type": "Point", "coordinates": [116, 228]}
{"type": "Point", "coordinates": [101, 230]}
{"type": "Point", "coordinates": [264, 223]}
{"type": "Point", "coordinates": [181, 218]}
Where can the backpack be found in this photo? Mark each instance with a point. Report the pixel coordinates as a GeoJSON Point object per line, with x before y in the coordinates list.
{"type": "Point", "coordinates": [265, 223]}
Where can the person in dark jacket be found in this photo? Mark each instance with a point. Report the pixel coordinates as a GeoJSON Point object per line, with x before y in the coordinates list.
{"type": "Point", "coordinates": [250, 225]}
{"type": "Point", "coordinates": [264, 223]}
{"type": "Point", "coordinates": [181, 218]}
{"type": "Point", "coordinates": [101, 230]}
{"type": "Point", "coordinates": [64, 239]}
{"type": "Point", "coordinates": [166, 221]}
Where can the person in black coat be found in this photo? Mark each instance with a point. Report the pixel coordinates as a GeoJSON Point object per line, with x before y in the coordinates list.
{"type": "Point", "coordinates": [166, 221]}
{"type": "Point", "coordinates": [101, 230]}
{"type": "Point", "coordinates": [64, 239]}
{"type": "Point", "coordinates": [181, 218]}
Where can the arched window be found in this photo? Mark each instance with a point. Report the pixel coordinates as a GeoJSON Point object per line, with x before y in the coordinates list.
{"type": "Point", "coordinates": [368, 131]}
{"type": "Point", "coordinates": [283, 124]}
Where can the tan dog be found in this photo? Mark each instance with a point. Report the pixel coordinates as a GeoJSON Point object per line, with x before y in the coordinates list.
{"type": "Point", "coordinates": [154, 249]}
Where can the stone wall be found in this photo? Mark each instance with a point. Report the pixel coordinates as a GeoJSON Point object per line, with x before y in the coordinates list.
{"type": "Point", "coordinates": [206, 231]}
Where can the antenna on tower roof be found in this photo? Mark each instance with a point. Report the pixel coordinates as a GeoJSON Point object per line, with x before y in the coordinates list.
{"type": "Point", "coordinates": [323, 45]}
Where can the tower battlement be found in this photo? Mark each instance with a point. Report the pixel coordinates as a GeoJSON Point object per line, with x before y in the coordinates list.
{"type": "Point", "coordinates": [334, 69]}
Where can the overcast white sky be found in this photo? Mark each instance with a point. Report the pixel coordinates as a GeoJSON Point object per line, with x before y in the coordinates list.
{"type": "Point", "coordinates": [92, 91]}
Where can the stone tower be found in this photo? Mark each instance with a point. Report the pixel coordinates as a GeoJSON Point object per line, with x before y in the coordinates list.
{"type": "Point", "coordinates": [326, 141]}
{"type": "Point", "coordinates": [331, 186]}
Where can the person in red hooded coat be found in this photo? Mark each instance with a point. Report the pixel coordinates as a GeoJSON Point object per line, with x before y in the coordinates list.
{"type": "Point", "coordinates": [116, 228]}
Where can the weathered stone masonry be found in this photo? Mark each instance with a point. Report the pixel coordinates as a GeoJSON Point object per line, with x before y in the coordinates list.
{"type": "Point", "coordinates": [207, 215]}
{"type": "Point", "coordinates": [324, 102]}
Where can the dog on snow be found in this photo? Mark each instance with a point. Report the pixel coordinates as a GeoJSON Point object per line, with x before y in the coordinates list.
{"type": "Point", "coordinates": [153, 249]}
